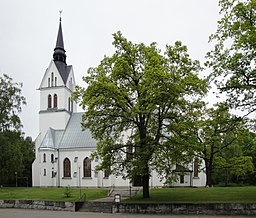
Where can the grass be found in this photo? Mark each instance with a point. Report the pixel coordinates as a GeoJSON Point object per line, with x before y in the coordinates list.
{"type": "Point", "coordinates": [51, 194]}
{"type": "Point", "coordinates": [245, 194]}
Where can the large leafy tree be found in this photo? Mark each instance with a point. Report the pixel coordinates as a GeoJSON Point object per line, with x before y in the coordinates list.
{"type": "Point", "coordinates": [234, 56]}
{"type": "Point", "coordinates": [132, 98]}
{"type": "Point", "coordinates": [16, 151]}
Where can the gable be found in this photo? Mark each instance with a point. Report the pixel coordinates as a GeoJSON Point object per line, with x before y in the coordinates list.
{"type": "Point", "coordinates": [52, 138]}
{"type": "Point", "coordinates": [51, 75]}
{"type": "Point", "coordinates": [57, 74]}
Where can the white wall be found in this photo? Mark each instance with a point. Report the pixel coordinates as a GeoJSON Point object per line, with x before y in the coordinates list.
{"type": "Point", "coordinates": [56, 120]}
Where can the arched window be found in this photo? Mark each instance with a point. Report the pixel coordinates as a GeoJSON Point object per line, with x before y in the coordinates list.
{"type": "Point", "coordinates": [55, 81]}
{"type": "Point", "coordinates": [66, 167]}
{"type": "Point", "coordinates": [55, 101]}
{"type": "Point", "coordinates": [49, 101]}
{"type": "Point", "coordinates": [49, 82]}
{"type": "Point", "coordinates": [182, 179]}
{"type": "Point", "coordinates": [87, 167]}
{"type": "Point", "coordinates": [44, 157]}
{"type": "Point", "coordinates": [196, 165]}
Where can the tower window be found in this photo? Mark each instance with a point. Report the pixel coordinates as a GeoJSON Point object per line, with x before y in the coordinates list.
{"type": "Point", "coordinates": [49, 101]}
{"type": "Point", "coordinates": [52, 78]}
{"type": "Point", "coordinates": [55, 101]}
{"type": "Point", "coordinates": [87, 167]}
{"type": "Point", "coordinates": [55, 81]}
{"type": "Point", "coordinates": [49, 82]}
{"type": "Point", "coordinates": [67, 167]}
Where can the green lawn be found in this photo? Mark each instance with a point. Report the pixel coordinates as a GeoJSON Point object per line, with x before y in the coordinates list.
{"type": "Point", "coordinates": [200, 195]}
{"type": "Point", "coordinates": [245, 194]}
{"type": "Point", "coordinates": [51, 194]}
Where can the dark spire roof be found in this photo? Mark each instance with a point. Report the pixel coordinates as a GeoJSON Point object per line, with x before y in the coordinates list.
{"type": "Point", "coordinates": [59, 56]}
{"type": "Point", "coordinates": [59, 51]}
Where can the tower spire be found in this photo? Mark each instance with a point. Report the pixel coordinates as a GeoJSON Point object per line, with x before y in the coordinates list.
{"type": "Point", "coordinates": [59, 51]}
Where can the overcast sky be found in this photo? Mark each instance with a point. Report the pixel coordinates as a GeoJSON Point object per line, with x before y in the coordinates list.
{"type": "Point", "coordinates": [28, 32]}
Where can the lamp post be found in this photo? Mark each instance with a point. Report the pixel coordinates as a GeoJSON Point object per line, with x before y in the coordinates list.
{"type": "Point", "coordinates": [117, 200]}
{"type": "Point", "coordinates": [16, 179]}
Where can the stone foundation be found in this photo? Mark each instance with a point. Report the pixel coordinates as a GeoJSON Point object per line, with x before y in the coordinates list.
{"type": "Point", "coordinates": [41, 205]}
{"type": "Point", "coordinates": [206, 209]}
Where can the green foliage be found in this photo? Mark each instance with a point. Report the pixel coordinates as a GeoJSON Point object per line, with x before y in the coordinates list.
{"type": "Point", "coordinates": [132, 100]}
{"type": "Point", "coordinates": [67, 192]}
{"type": "Point", "coordinates": [236, 163]}
{"type": "Point", "coordinates": [11, 101]}
{"type": "Point", "coordinates": [16, 152]}
{"type": "Point", "coordinates": [16, 155]}
{"type": "Point", "coordinates": [233, 59]}
{"type": "Point", "coordinates": [209, 132]}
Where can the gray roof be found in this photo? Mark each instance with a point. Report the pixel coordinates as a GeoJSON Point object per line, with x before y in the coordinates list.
{"type": "Point", "coordinates": [60, 41]}
{"type": "Point", "coordinates": [72, 137]}
{"type": "Point", "coordinates": [52, 138]}
{"type": "Point", "coordinates": [63, 69]}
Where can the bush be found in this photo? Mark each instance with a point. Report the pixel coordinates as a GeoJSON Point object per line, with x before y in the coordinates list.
{"type": "Point", "coordinates": [67, 192]}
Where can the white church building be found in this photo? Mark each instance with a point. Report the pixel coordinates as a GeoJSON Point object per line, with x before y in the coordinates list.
{"type": "Point", "coordinates": [63, 149]}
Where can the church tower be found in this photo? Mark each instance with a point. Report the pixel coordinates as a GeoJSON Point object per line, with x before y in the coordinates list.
{"type": "Point", "coordinates": [56, 88]}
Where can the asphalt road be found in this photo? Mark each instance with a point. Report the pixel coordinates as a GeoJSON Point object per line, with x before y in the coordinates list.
{"type": "Point", "coordinates": [25, 213]}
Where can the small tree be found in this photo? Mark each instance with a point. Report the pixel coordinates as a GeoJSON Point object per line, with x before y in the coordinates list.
{"type": "Point", "coordinates": [217, 131]}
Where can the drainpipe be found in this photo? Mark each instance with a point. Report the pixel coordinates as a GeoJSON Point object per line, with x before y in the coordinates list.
{"type": "Point", "coordinates": [58, 173]}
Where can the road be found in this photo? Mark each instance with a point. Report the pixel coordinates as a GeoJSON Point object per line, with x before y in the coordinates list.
{"type": "Point", "coordinates": [25, 213]}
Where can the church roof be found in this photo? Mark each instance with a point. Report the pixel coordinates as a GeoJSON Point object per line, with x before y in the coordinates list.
{"type": "Point", "coordinates": [64, 70]}
{"type": "Point", "coordinates": [52, 138]}
{"type": "Point", "coordinates": [72, 137]}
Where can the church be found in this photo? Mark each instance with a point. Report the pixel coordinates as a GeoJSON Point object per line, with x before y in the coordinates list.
{"type": "Point", "coordinates": [63, 149]}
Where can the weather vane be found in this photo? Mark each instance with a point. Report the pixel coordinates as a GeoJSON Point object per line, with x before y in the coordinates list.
{"type": "Point", "coordinates": [60, 14]}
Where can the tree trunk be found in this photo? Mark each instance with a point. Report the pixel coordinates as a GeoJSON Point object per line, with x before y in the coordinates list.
{"type": "Point", "coordinates": [208, 167]}
{"type": "Point", "coordinates": [145, 185]}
